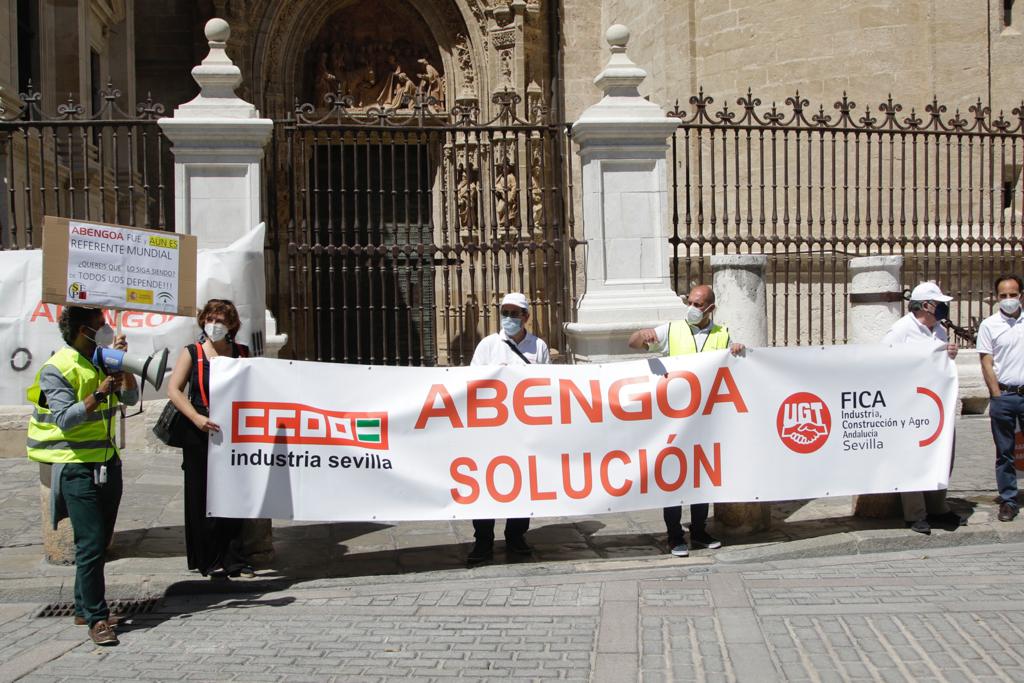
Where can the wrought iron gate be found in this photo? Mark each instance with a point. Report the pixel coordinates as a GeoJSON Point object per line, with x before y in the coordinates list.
{"type": "Point", "coordinates": [810, 190]}
{"type": "Point", "coordinates": [108, 166]}
{"type": "Point", "coordinates": [394, 233]}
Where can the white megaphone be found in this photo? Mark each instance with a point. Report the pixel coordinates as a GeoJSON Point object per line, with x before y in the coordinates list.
{"type": "Point", "coordinates": [150, 368]}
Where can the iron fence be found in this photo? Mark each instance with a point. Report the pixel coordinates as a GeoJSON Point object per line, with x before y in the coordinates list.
{"type": "Point", "coordinates": [106, 166]}
{"type": "Point", "coordinates": [811, 189]}
{"type": "Point", "coordinates": [393, 233]}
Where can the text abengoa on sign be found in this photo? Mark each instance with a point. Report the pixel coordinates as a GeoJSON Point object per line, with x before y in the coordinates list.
{"type": "Point", "coordinates": [551, 440]}
{"type": "Point", "coordinates": [112, 266]}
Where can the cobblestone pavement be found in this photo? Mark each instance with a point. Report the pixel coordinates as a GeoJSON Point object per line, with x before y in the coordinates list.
{"type": "Point", "coordinates": [811, 599]}
{"type": "Point", "coordinates": [950, 615]}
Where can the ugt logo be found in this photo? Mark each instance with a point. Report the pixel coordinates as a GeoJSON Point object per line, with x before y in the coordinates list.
{"type": "Point", "coordinates": [803, 422]}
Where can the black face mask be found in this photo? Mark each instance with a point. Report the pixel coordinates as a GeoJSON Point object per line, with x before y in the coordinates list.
{"type": "Point", "coordinates": [941, 310]}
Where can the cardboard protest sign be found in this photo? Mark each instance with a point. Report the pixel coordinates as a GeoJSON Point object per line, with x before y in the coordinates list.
{"type": "Point", "coordinates": [117, 267]}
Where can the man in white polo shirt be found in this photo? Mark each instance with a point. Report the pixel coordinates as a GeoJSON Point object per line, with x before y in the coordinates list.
{"type": "Point", "coordinates": [511, 345]}
{"type": "Point", "coordinates": [928, 306]}
{"type": "Point", "coordinates": [1001, 347]}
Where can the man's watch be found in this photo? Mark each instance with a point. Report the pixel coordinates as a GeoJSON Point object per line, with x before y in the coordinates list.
{"type": "Point", "coordinates": [99, 396]}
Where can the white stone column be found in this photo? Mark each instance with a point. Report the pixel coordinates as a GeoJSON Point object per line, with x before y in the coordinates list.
{"type": "Point", "coordinates": [738, 283]}
{"type": "Point", "coordinates": [218, 141]}
{"type": "Point", "coordinates": [876, 297]}
{"type": "Point", "coordinates": [876, 302]}
{"type": "Point", "coordinates": [623, 141]}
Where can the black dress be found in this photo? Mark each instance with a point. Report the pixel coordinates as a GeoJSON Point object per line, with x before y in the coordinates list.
{"type": "Point", "coordinates": [211, 543]}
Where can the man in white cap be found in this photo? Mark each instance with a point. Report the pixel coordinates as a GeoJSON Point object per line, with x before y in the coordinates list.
{"type": "Point", "coordinates": [1001, 349]}
{"type": "Point", "coordinates": [928, 307]}
{"type": "Point", "coordinates": [511, 345]}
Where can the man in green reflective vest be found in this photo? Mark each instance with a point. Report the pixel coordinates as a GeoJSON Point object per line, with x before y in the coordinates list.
{"type": "Point", "coordinates": [72, 429]}
{"type": "Point", "coordinates": [697, 333]}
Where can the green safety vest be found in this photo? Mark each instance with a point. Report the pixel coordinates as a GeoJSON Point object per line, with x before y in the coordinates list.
{"type": "Point", "coordinates": [85, 442]}
{"type": "Point", "coordinates": [681, 341]}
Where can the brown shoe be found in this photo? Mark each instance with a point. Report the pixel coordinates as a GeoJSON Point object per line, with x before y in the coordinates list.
{"type": "Point", "coordinates": [102, 634]}
{"type": "Point", "coordinates": [1007, 512]}
{"type": "Point", "coordinates": [113, 620]}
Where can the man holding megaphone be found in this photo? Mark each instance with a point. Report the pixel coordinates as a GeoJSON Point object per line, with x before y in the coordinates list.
{"type": "Point", "coordinates": [72, 428]}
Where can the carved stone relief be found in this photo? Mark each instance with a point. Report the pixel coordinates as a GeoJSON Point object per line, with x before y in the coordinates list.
{"type": "Point", "coordinates": [375, 58]}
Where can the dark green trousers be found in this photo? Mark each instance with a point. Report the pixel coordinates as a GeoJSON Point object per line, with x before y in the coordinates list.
{"type": "Point", "coordinates": [93, 510]}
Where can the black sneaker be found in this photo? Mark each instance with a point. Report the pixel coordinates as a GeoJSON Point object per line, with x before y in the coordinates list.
{"type": "Point", "coordinates": [921, 526]}
{"type": "Point", "coordinates": [518, 546]}
{"type": "Point", "coordinates": [481, 552]}
{"type": "Point", "coordinates": [700, 538]}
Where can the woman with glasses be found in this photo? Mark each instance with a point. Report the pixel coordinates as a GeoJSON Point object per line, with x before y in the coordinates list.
{"type": "Point", "coordinates": [213, 544]}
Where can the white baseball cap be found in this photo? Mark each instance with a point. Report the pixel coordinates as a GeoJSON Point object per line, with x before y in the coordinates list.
{"type": "Point", "coordinates": [928, 291]}
{"type": "Point", "coordinates": [516, 299]}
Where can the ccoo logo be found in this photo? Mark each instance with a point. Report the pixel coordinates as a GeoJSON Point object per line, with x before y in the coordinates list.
{"type": "Point", "coordinates": [803, 422]}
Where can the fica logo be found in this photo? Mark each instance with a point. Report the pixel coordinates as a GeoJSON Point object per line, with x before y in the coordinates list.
{"type": "Point", "coordinates": [803, 422]}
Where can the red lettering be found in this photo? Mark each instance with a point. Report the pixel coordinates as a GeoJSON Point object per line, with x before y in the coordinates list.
{"type": "Point", "coordinates": [701, 463]}
{"type": "Point", "coordinates": [615, 404]}
{"type": "Point", "coordinates": [643, 470]}
{"type": "Point", "coordinates": [659, 465]}
{"type": "Point", "coordinates": [535, 492]}
{"type": "Point", "coordinates": [592, 410]}
{"type": "Point", "coordinates": [131, 320]}
{"type": "Point", "coordinates": [606, 482]}
{"type": "Point", "coordinates": [447, 409]}
{"type": "Point", "coordinates": [520, 401]}
{"type": "Point", "coordinates": [465, 480]}
{"type": "Point", "coordinates": [588, 479]}
{"type": "Point", "coordinates": [517, 479]}
{"type": "Point", "coordinates": [665, 407]}
{"type": "Point", "coordinates": [475, 402]}
{"type": "Point", "coordinates": [42, 311]}
{"type": "Point", "coordinates": [731, 395]}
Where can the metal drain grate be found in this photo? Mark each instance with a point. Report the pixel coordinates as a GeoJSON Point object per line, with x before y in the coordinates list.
{"type": "Point", "coordinates": [125, 608]}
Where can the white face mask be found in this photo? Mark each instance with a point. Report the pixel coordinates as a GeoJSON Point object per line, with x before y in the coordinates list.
{"type": "Point", "coordinates": [1010, 306]}
{"type": "Point", "coordinates": [103, 336]}
{"type": "Point", "coordinates": [694, 315]}
{"type": "Point", "coordinates": [215, 331]}
{"type": "Point", "coordinates": [512, 326]}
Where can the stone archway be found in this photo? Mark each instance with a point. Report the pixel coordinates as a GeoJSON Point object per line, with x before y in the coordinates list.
{"type": "Point", "coordinates": [290, 44]}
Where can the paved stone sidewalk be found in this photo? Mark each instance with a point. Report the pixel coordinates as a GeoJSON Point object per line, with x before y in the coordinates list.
{"type": "Point", "coordinates": [948, 615]}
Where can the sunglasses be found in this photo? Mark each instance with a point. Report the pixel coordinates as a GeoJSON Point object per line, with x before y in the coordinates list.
{"type": "Point", "coordinates": [512, 314]}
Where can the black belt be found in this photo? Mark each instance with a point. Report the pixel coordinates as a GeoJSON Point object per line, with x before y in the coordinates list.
{"type": "Point", "coordinates": [1012, 389]}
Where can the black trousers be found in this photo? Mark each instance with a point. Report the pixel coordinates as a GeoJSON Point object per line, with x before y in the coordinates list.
{"type": "Point", "coordinates": [211, 543]}
{"type": "Point", "coordinates": [483, 529]}
{"type": "Point", "coordinates": [673, 517]}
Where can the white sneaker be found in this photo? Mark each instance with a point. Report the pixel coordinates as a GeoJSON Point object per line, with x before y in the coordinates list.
{"type": "Point", "coordinates": [681, 550]}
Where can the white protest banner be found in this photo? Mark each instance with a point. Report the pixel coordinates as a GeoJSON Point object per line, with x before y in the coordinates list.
{"type": "Point", "coordinates": [28, 325]}
{"type": "Point", "coordinates": [318, 441]}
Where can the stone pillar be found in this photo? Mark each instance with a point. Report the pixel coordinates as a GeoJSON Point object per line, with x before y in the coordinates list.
{"type": "Point", "coordinates": [876, 302]}
{"type": "Point", "coordinates": [623, 141]}
{"type": "Point", "coordinates": [218, 141]}
{"type": "Point", "coordinates": [738, 283]}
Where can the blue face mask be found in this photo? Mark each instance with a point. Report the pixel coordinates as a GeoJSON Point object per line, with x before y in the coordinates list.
{"type": "Point", "coordinates": [512, 326]}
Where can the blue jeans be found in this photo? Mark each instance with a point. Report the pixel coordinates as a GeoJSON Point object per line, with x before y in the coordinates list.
{"type": "Point", "coordinates": [1006, 412]}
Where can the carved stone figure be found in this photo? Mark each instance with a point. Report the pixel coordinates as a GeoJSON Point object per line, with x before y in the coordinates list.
{"type": "Point", "coordinates": [464, 58]}
{"type": "Point", "coordinates": [325, 80]}
{"type": "Point", "coordinates": [506, 195]}
{"type": "Point", "coordinates": [392, 84]}
{"type": "Point", "coordinates": [505, 67]}
{"type": "Point", "coordinates": [431, 82]}
{"type": "Point", "coordinates": [537, 189]}
{"type": "Point", "coordinates": [404, 92]}
{"type": "Point", "coordinates": [466, 197]}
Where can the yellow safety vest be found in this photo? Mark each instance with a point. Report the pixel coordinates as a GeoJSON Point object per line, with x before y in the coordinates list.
{"type": "Point", "coordinates": [89, 441]}
{"type": "Point", "coordinates": [681, 341]}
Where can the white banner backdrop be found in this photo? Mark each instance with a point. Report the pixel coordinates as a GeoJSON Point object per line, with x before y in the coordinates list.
{"type": "Point", "coordinates": [28, 327]}
{"type": "Point", "coordinates": [317, 441]}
